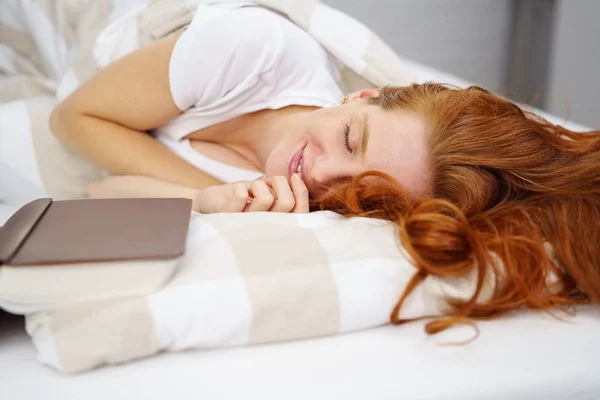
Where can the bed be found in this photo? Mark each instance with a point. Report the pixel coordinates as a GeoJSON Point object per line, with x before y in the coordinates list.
{"type": "Point", "coordinates": [527, 355]}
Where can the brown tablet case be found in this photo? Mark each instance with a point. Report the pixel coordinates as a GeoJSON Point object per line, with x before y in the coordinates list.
{"type": "Point", "coordinates": [46, 232]}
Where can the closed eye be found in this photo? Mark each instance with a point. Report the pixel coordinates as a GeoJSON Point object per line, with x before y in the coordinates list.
{"type": "Point", "coordinates": [347, 137]}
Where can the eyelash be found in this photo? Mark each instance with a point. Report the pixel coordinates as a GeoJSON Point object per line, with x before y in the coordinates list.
{"type": "Point", "coordinates": [347, 138]}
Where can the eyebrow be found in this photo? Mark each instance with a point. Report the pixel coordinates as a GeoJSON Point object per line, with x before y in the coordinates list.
{"type": "Point", "coordinates": [366, 133]}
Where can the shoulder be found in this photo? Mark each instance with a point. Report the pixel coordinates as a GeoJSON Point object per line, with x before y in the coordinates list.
{"type": "Point", "coordinates": [249, 30]}
{"type": "Point", "coordinates": [225, 53]}
{"type": "Point", "coordinates": [256, 30]}
{"type": "Point", "coordinates": [220, 51]}
{"type": "Point", "coordinates": [303, 67]}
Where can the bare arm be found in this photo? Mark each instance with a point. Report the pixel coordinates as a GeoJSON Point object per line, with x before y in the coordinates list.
{"type": "Point", "coordinates": [132, 186]}
{"type": "Point", "coordinates": [106, 119]}
{"type": "Point", "coordinates": [267, 194]}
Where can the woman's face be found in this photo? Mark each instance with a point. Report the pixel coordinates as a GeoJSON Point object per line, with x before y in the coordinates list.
{"type": "Point", "coordinates": [334, 144]}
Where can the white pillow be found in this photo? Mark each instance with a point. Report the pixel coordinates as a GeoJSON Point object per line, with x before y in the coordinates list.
{"type": "Point", "coordinates": [246, 279]}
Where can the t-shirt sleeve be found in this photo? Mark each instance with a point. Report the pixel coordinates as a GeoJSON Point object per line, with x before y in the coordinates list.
{"type": "Point", "coordinates": [222, 56]}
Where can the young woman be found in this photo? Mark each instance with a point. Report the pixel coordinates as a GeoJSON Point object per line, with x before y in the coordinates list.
{"type": "Point", "coordinates": [245, 116]}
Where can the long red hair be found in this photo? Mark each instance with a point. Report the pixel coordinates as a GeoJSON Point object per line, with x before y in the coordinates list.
{"type": "Point", "coordinates": [514, 196]}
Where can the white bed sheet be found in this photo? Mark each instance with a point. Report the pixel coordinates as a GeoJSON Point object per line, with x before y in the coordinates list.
{"type": "Point", "coordinates": [528, 355]}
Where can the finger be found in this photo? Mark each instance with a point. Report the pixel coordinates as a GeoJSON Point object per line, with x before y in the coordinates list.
{"type": "Point", "coordinates": [262, 199]}
{"type": "Point", "coordinates": [300, 194]}
{"type": "Point", "coordinates": [284, 197]}
{"type": "Point", "coordinates": [239, 198]}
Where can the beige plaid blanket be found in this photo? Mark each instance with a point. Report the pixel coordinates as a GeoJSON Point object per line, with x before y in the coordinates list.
{"type": "Point", "coordinates": [245, 278]}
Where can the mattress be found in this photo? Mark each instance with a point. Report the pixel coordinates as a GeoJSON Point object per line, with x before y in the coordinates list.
{"type": "Point", "coordinates": [526, 355]}
{"type": "Point", "coordinates": [529, 355]}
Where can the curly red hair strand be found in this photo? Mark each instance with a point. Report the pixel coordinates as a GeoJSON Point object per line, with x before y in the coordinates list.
{"type": "Point", "coordinates": [506, 185]}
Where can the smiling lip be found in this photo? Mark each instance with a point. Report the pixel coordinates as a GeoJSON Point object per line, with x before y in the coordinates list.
{"type": "Point", "coordinates": [295, 161]}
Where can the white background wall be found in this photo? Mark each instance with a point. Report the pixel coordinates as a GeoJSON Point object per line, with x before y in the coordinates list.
{"type": "Point", "coordinates": [478, 40]}
{"type": "Point", "coordinates": [470, 38]}
{"type": "Point", "coordinates": [574, 76]}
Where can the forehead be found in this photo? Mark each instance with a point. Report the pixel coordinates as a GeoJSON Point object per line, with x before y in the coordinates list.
{"type": "Point", "coordinates": [398, 147]}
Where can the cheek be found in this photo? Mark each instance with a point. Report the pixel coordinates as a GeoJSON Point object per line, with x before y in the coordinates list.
{"type": "Point", "coordinates": [409, 166]}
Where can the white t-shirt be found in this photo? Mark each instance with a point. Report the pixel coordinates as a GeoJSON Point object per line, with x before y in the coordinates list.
{"type": "Point", "coordinates": [231, 62]}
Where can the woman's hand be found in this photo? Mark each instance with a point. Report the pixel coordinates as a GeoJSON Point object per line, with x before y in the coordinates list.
{"type": "Point", "coordinates": [266, 194]}
{"type": "Point", "coordinates": [274, 194]}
